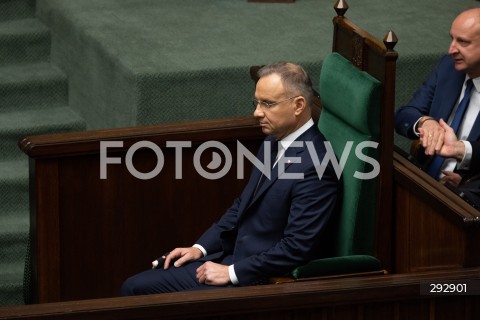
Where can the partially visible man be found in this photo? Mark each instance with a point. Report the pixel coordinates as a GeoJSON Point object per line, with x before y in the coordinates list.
{"type": "Point", "coordinates": [466, 185]}
{"type": "Point", "coordinates": [440, 97]}
{"type": "Point", "coordinates": [278, 222]}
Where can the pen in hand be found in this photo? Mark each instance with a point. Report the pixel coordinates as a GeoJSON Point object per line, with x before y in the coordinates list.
{"type": "Point", "coordinates": [157, 264]}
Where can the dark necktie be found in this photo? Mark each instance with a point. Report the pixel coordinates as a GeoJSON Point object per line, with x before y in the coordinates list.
{"type": "Point", "coordinates": [273, 156]}
{"type": "Point", "coordinates": [437, 161]}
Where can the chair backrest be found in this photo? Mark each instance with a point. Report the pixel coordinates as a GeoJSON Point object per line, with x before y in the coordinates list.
{"type": "Point", "coordinates": [351, 118]}
{"type": "Point", "coordinates": [377, 58]}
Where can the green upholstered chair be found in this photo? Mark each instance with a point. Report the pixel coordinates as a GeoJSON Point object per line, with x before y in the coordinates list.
{"type": "Point", "coordinates": [351, 102]}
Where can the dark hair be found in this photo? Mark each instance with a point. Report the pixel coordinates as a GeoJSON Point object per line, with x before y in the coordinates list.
{"type": "Point", "coordinates": [294, 78]}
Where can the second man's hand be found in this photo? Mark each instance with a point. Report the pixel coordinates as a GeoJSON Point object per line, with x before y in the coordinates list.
{"type": "Point", "coordinates": [213, 274]}
{"type": "Point", "coordinates": [431, 135]}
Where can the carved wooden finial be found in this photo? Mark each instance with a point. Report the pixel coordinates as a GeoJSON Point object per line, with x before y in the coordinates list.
{"type": "Point", "coordinates": [341, 7]}
{"type": "Point", "coordinates": [390, 40]}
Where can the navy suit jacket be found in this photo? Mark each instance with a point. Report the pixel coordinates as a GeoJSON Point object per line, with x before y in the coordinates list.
{"type": "Point", "coordinates": [437, 98]}
{"type": "Point", "coordinates": [475, 161]}
{"type": "Point", "coordinates": [281, 226]}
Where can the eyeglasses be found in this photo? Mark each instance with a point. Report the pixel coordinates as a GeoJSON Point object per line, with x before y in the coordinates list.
{"type": "Point", "coordinates": [268, 105]}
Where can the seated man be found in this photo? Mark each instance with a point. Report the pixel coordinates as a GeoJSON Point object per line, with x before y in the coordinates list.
{"type": "Point", "coordinates": [280, 220]}
{"type": "Point", "coordinates": [451, 93]}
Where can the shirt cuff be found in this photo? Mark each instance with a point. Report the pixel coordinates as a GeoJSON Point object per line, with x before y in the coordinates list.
{"type": "Point", "coordinates": [414, 129]}
{"type": "Point", "coordinates": [467, 156]}
{"type": "Point", "coordinates": [199, 247]}
{"type": "Point", "coordinates": [232, 275]}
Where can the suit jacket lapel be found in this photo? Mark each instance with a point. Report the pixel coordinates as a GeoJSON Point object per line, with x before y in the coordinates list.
{"type": "Point", "coordinates": [255, 176]}
{"type": "Point", "coordinates": [449, 97]}
{"type": "Point", "coordinates": [475, 132]}
{"type": "Point", "coordinates": [449, 100]}
{"type": "Point", "coordinates": [291, 152]}
{"type": "Point", "coordinates": [278, 171]}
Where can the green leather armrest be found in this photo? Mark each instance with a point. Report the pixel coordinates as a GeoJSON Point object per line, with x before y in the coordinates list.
{"type": "Point", "coordinates": [338, 265]}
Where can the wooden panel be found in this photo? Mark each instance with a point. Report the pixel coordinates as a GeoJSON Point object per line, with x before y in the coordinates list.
{"type": "Point", "coordinates": [124, 223]}
{"type": "Point", "coordinates": [45, 227]}
{"type": "Point", "coordinates": [435, 229]}
{"type": "Point", "coordinates": [90, 234]}
{"type": "Point", "coordinates": [433, 240]}
{"type": "Point", "coordinates": [378, 297]}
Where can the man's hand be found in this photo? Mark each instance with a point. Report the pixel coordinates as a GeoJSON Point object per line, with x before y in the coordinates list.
{"type": "Point", "coordinates": [213, 274]}
{"type": "Point", "coordinates": [182, 256]}
{"type": "Point", "coordinates": [431, 136]}
{"type": "Point", "coordinates": [451, 177]}
{"type": "Point", "coordinates": [452, 147]}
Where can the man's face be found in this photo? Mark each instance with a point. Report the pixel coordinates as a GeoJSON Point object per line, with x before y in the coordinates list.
{"type": "Point", "coordinates": [280, 119]}
{"type": "Point", "coordinates": [465, 45]}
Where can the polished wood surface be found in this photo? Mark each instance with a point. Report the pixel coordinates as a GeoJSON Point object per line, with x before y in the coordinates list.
{"type": "Point", "coordinates": [435, 228]}
{"type": "Point", "coordinates": [375, 297]}
{"type": "Point", "coordinates": [87, 142]}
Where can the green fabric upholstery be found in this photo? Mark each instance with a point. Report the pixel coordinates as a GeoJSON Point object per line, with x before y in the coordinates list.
{"type": "Point", "coordinates": [351, 95]}
{"type": "Point", "coordinates": [351, 112]}
{"type": "Point", "coordinates": [338, 265]}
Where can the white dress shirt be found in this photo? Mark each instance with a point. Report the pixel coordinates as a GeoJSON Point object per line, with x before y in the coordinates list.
{"type": "Point", "coordinates": [465, 127]}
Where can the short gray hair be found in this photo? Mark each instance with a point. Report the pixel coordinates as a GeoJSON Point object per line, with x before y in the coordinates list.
{"type": "Point", "coordinates": [294, 78]}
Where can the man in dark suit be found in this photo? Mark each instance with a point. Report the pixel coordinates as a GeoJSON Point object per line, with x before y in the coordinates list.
{"type": "Point", "coordinates": [280, 219]}
{"type": "Point", "coordinates": [441, 96]}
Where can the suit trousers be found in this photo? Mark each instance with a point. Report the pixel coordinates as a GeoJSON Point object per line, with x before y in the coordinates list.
{"type": "Point", "coordinates": [162, 281]}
